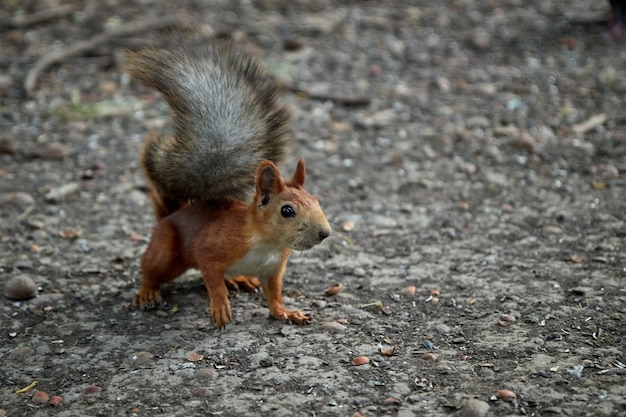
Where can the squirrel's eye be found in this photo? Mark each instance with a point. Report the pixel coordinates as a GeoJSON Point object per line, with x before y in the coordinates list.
{"type": "Point", "coordinates": [287, 211]}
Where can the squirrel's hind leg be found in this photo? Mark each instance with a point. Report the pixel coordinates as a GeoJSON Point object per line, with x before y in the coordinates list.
{"type": "Point", "coordinates": [163, 205]}
{"type": "Point", "coordinates": [160, 263]}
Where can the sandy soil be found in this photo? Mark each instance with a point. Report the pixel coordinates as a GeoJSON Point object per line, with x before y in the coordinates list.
{"type": "Point", "coordinates": [471, 156]}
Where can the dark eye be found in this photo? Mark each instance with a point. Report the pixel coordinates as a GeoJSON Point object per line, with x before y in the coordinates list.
{"type": "Point", "coordinates": [287, 211]}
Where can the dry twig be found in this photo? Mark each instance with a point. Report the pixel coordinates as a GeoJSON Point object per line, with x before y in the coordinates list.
{"type": "Point", "coordinates": [344, 100]}
{"type": "Point", "coordinates": [55, 57]}
{"type": "Point", "coordinates": [21, 22]}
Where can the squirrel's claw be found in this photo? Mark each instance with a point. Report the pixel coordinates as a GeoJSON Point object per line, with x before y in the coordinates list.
{"type": "Point", "coordinates": [221, 312]}
{"type": "Point", "coordinates": [293, 316]}
{"type": "Point", "coordinates": [147, 298]}
{"type": "Point", "coordinates": [243, 283]}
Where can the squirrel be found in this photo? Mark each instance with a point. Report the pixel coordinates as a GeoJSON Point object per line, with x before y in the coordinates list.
{"type": "Point", "coordinates": [229, 132]}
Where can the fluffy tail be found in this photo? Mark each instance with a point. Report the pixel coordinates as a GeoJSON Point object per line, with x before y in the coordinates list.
{"type": "Point", "coordinates": [226, 120]}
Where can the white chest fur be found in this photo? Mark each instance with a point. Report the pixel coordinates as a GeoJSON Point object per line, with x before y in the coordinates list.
{"type": "Point", "coordinates": [260, 262]}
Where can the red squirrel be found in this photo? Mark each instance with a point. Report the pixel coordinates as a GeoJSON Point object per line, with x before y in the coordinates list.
{"type": "Point", "coordinates": [229, 131]}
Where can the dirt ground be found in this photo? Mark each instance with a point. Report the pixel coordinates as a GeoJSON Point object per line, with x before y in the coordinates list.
{"type": "Point", "coordinates": [470, 154]}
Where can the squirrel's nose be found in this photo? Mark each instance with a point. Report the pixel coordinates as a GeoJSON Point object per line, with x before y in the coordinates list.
{"type": "Point", "coordinates": [324, 234]}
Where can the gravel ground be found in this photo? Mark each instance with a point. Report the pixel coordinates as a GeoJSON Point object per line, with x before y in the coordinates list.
{"type": "Point", "coordinates": [471, 156]}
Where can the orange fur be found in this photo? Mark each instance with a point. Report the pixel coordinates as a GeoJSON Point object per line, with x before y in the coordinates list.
{"type": "Point", "coordinates": [233, 241]}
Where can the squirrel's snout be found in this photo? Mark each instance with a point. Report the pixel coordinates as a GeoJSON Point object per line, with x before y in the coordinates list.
{"type": "Point", "coordinates": [323, 234]}
{"type": "Point", "coordinates": [311, 237]}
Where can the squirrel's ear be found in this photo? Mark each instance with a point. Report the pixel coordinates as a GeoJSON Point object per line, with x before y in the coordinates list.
{"type": "Point", "coordinates": [300, 175]}
{"type": "Point", "coordinates": [268, 180]}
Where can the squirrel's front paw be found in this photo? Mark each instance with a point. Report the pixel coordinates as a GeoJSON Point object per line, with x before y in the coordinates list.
{"type": "Point", "coordinates": [147, 298]}
{"type": "Point", "coordinates": [221, 312]}
{"type": "Point", "coordinates": [292, 316]}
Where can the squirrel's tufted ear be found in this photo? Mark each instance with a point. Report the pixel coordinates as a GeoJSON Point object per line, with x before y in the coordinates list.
{"type": "Point", "coordinates": [300, 175]}
{"type": "Point", "coordinates": [268, 179]}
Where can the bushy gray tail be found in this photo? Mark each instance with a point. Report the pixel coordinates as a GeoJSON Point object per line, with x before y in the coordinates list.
{"type": "Point", "coordinates": [225, 114]}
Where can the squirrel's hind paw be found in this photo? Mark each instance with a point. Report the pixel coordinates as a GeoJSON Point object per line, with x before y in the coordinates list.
{"type": "Point", "coordinates": [243, 283]}
{"type": "Point", "coordinates": [292, 316]}
{"type": "Point", "coordinates": [147, 298]}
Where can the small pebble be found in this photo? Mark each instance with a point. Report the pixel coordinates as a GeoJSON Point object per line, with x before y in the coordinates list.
{"type": "Point", "coordinates": [360, 360]}
{"type": "Point", "coordinates": [108, 87]}
{"type": "Point", "coordinates": [576, 258]}
{"type": "Point", "coordinates": [21, 353]}
{"type": "Point", "coordinates": [608, 170]}
{"type": "Point", "coordinates": [202, 392]}
{"type": "Point", "coordinates": [19, 198]}
{"type": "Point", "coordinates": [8, 146]}
{"type": "Point", "coordinates": [206, 373]}
{"type": "Point", "coordinates": [507, 317]}
{"type": "Point", "coordinates": [443, 83]}
{"type": "Point", "coordinates": [54, 151]}
{"type": "Point", "coordinates": [474, 408]}
{"type": "Point", "coordinates": [359, 272]}
{"type": "Point", "coordinates": [40, 397]}
{"type": "Point", "coordinates": [140, 358]}
{"type": "Point", "coordinates": [92, 389]}
{"type": "Point", "coordinates": [576, 371]}
{"type": "Point", "coordinates": [36, 224]}
{"type": "Point", "coordinates": [469, 168]}
{"type": "Point", "coordinates": [333, 327]}
{"type": "Point", "coordinates": [487, 89]}
{"type": "Point", "coordinates": [526, 142]}
{"type": "Point", "coordinates": [507, 208]}
{"type": "Point", "coordinates": [443, 328]}
{"type": "Point", "coordinates": [58, 193]}
{"type": "Point", "coordinates": [383, 221]}
{"type": "Point", "coordinates": [409, 291]}
{"type": "Point", "coordinates": [20, 288]}
{"type": "Point", "coordinates": [347, 226]}
{"type": "Point", "coordinates": [430, 356]}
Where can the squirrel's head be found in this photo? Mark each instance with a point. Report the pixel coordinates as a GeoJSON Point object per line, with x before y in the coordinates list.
{"type": "Point", "coordinates": [286, 211]}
